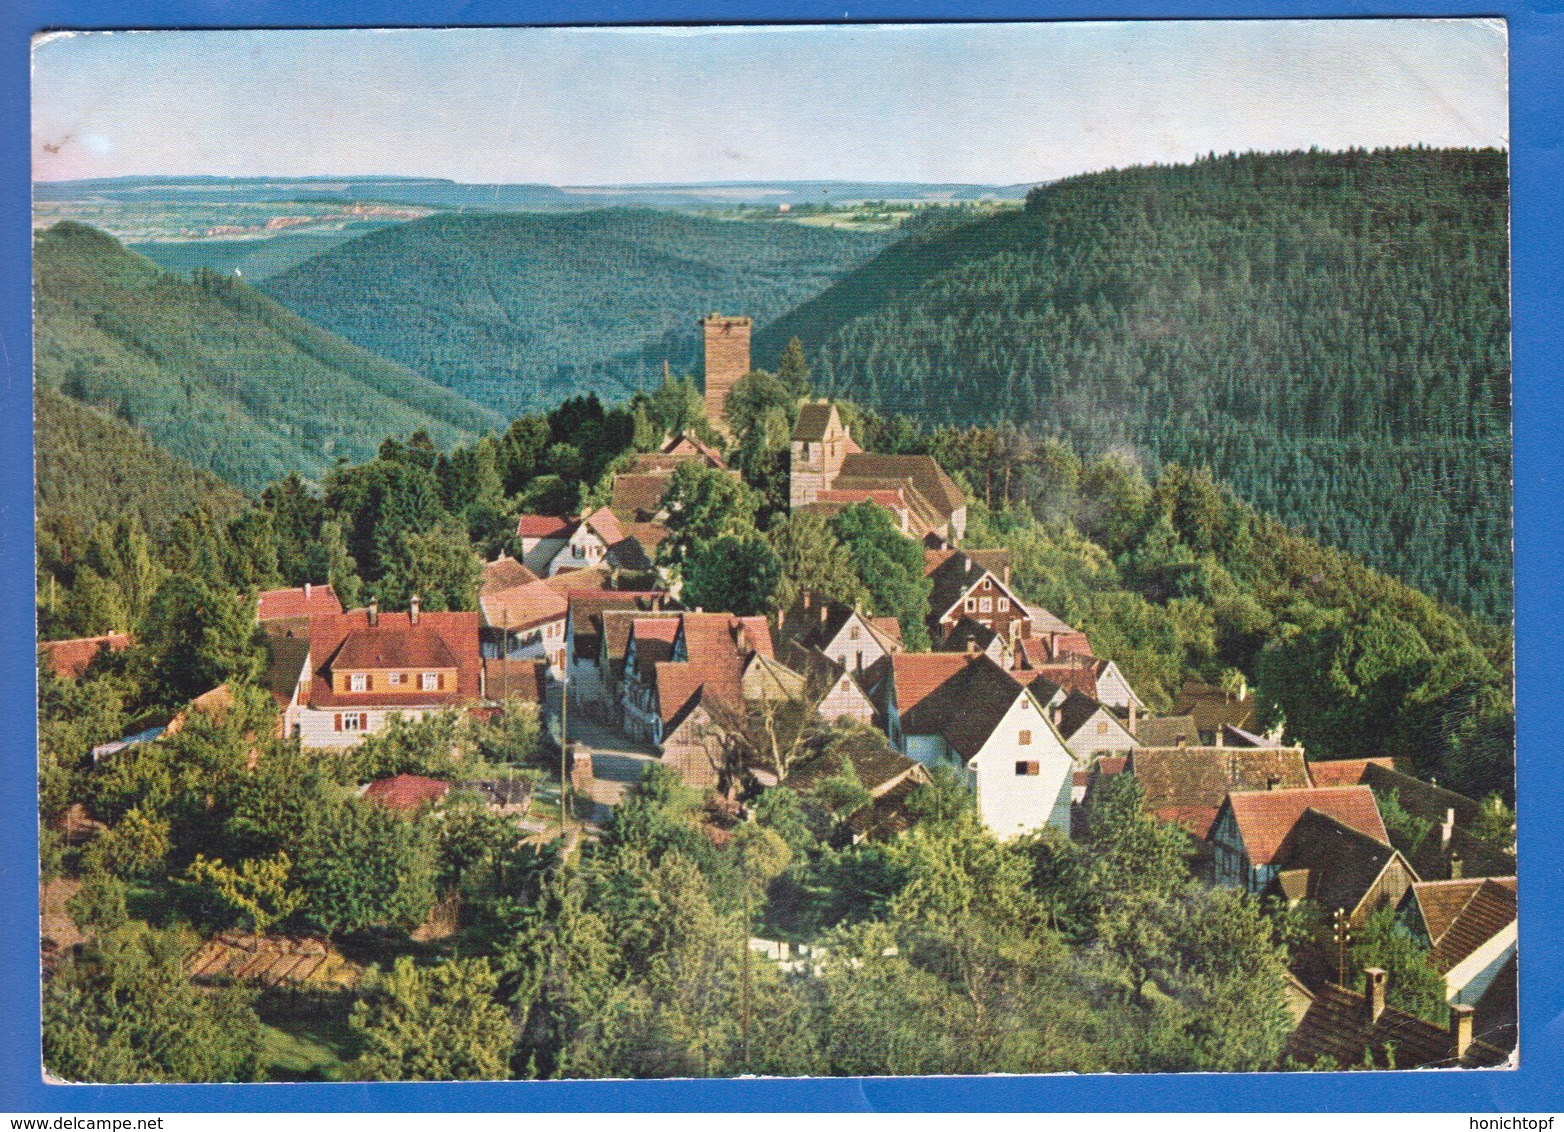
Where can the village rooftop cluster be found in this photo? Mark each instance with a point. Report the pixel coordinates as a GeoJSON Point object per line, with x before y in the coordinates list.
{"type": "Point", "coordinates": [1016, 703]}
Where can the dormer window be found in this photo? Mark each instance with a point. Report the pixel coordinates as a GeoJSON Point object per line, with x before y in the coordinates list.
{"type": "Point", "coordinates": [429, 682]}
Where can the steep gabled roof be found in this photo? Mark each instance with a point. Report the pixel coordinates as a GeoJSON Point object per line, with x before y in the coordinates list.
{"type": "Point", "coordinates": [1462, 915]}
{"type": "Point", "coordinates": [586, 615]}
{"type": "Point", "coordinates": [924, 472]}
{"type": "Point", "coordinates": [1339, 864]}
{"type": "Point", "coordinates": [917, 675]}
{"type": "Point", "coordinates": [516, 680]}
{"type": "Point", "coordinates": [1266, 817]}
{"type": "Point", "coordinates": [954, 578]}
{"type": "Point", "coordinates": [1079, 678]}
{"type": "Point", "coordinates": [284, 665]}
{"type": "Point", "coordinates": [390, 645]}
{"type": "Point", "coordinates": [300, 601]}
{"type": "Point", "coordinates": [688, 444]}
{"type": "Point", "coordinates": [876, 762]}
{"type": "Point", "coordinates": [814, 418]}
{"type": "Point", "coordinates": [1076, 711]}
{"type": "Point", "coordinates": [1423, 799]}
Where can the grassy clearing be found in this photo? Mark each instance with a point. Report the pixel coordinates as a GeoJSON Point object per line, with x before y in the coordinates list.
{"type": "Point", "coordinates": [308, 1038]}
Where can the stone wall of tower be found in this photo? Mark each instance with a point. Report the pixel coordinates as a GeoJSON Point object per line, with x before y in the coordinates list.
{"type": "Point", "coordinates": [727, 360]}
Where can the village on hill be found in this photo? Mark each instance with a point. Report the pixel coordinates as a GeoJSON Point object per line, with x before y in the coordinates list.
{"type": "Point", "coordinates": [604, 667]}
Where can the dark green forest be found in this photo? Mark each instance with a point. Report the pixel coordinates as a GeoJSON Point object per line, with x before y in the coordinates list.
{"type": "Point", "coordinates": [1329, 333]}
{"type": "Point", "coordinates": [216, 373]}
{"type": "Point", "coordinates": [519, 312]}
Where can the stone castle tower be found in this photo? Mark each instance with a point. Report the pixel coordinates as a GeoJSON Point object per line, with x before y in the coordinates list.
{"type": "Point", "coordinates": [727, 360]}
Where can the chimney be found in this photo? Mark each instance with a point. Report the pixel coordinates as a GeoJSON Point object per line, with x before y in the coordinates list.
{"type": "Point", "coordinates": [1447, 828]}
{"type": "Point", "coordinates": [412, 609]}
{"type": "Point", "coordinates": [1460, 1029]}
{"type": "Point", "coordinates": [1271, 783]}
{"type": "Point", "coordinates": [1219, 735]}
{"type": "Point", "coordinates": [806, 599]}
{"type": "Point", "coordinates": [1007, 573]}
{"type": "Point", "coordinates": [824, 613]}
{"type": "Point", "coordinates": [306, 591]}
{"type": "Point", "coordinates": [1457, 866]}
{"type": "Point", "coordinates": [374, 611]}
{"type": "Point", "coordinates": [1183, 740]}
{"type": "Point", "coordinates": [1132, 716]}
{"type": "Point", "coordinates": [1374, 993]}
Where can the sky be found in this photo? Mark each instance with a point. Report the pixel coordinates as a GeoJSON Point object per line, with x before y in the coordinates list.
{"type": "Point", "coordinates": [995, 104]}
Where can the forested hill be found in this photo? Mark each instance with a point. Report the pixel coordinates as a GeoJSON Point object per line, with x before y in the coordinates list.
{"type": "Point", "coordinates": [216, 373]}
{"type": "Point", "coordinates": [1328, 332]}
{"type": "Point", "coordinates": [92, 468]}
{"type": "Point", "coordinates": [520, 311]}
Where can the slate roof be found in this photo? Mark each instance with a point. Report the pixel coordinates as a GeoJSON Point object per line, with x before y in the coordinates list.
{"type": "Point", "coordinates": [1343, 772]}
{"type": "Point", "coordinates": [1336, 864]}
{"type": "Point", "coordinates": [302, 601]}
{"type": "Point", "coordinates": [451, 638]}
{"type": "Point", "coordinates": [406, 792]}
{"type": "Point", "coordinates": [1423, 799]}
{"type": "Point", "coordinates": [1462, 915]}
{"type": "Point", "coordinates": [1266, 817]}
{"type": "Point", "coordinates": [1187, 785]}
{"type": "Point", "coordinates": [1074, 713]}
{"type": "Point", "coordinates": [69, 659]}
{"type": "Point", "coordinates": [815, 622]}
{"type": "Point", "coordinates": [1166, 731]}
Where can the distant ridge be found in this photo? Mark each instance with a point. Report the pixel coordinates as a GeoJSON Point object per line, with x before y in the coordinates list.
{"type": "Point", "coordinates": [215, 372]}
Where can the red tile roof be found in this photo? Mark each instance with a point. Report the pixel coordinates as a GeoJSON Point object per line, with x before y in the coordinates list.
{"type": "Point", "coordinates": [406, 792]}
{"type": "Point", "coordinates": [515, 680]}
{"type": "Point", "coordinates": [605, 524]}
{"type": "Point", "coordinates": [1188, 784]}
{"type": "Point", "coordinates": [304, 601]}
{"type": "Point", "coordinates": [1266, 817]}
{"type": "Point", "coordinates": [1344, 772]}
{"type": "Point", "coordinates": [439, 640]}
{"type": "Point", "coordinates": [522, 607]}
{"type": "Point", "coordinates": [1077, 677]}
{"type": "Point", "coordinates": [543, 526]}
{"type": "Point", "coordinates": [1462, 915]}
{"type": "Point", "coordinates": [639, 492]}
{"type": "Point", "coordinates": [506, 573]}
{"type": "Point", "coordinates": [591, 579]}
{"type": "Point", "coordinates": [718, 645]}
{"type": "Point", "coordinates": [69, 659]}
{"type": "Point", "coordinates": [918, 674]}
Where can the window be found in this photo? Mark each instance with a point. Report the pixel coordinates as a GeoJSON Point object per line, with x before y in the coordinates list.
{"type": "Point", "coordinates": [985, 605]}
{"type": "Point", "coordinates": [971, 605]}
{"type": "Point", "coordinates": [353, 721]}
{"type": "Point", "coordinates": [429, 682]}
{"type": "Point", "coordinates": [1102, 727]}
{"type": "Point", "coordinates": [988, 583]}
{"type": "Point", "coordinates": [397, 678]}
{"type": "Point", "coordinates": [358, 682]}
{"type": "Point", "coordinates": [1003, 605]}
{"type": "Point", "coordinates": [1029, 768]}
{"type": "Point", "coordinates": [1025, 739]}
{"type": "Point", "coordinates": [852, 634]}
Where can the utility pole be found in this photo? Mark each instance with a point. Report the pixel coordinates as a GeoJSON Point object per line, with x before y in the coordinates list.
{"type": "Point", "coordinates": [1341, 932]}
{"type": "Point", "coordinates": [744, 977]}
{"type": "Point", "coordinates": [564, 754]}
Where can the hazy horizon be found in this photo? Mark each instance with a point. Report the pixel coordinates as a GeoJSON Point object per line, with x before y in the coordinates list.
{"type": "Point", "coordinates": [969, 104]}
